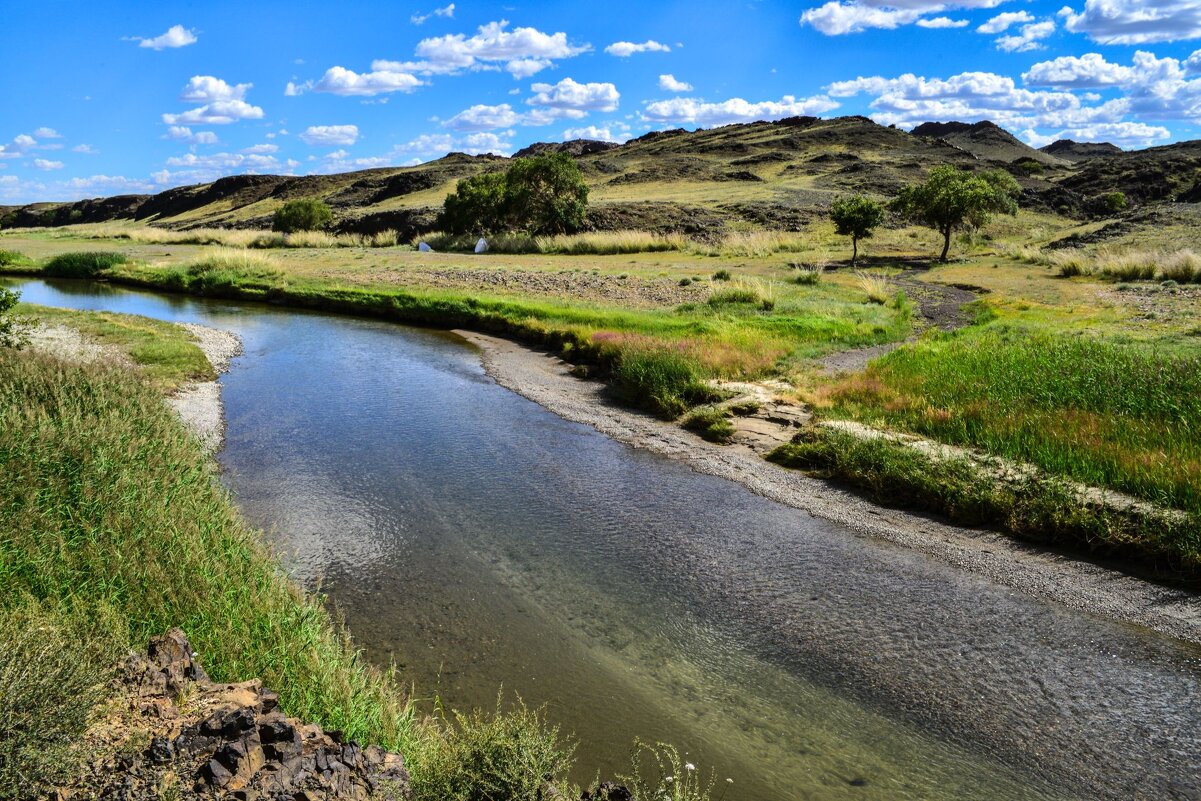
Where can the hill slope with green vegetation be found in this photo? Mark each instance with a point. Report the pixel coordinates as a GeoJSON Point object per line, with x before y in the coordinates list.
{"type": "Point", "coordinates": [763, 175]}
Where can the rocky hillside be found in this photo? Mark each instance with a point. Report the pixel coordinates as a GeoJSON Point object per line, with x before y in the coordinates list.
{"type": "Point", "coordinates": [986, 141]}
{"type": "Point", "coordinates": [1073, 151]}
{"type": "Point", "coordinates": [777, 175]}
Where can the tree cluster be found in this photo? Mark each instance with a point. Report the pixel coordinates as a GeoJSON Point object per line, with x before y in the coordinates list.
{"type": "Point", "coordinates": [544, 194]}
{"type": "Point", "coordinates": [950, 198]}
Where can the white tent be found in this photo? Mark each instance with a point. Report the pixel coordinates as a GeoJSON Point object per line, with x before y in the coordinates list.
{"type": "Point", "coordinates": [481, 246]}
{"type": "Point", "coordinates": [424, 248]}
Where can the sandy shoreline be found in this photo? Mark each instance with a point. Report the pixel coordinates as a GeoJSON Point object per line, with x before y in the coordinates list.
{"type": "Point", "coordinates": [198, 404]}
{"type": "Point", "coordinates": [546, 380]}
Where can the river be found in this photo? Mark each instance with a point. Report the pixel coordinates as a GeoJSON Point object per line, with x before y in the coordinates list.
{"type": "Point", "coordinates": [477, 540]}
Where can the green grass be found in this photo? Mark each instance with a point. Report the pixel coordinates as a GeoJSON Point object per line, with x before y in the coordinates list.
{"type": "Point", "coordinates": [1121, 415]}
{"type": "Point", "coordinates": [1043, 509]}
{"type": "Point", "coordinates": [82, 265]}
{"type": "Point", "coordinates": [711, 423]}
{"type": "Point", "coordinates": [8, 257]}
{"type": "Point", "coordinates": [167, 354]}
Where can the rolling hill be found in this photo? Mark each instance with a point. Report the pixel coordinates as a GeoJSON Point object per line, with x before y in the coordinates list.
{"type": "Point", "coordinates": [777, 175]}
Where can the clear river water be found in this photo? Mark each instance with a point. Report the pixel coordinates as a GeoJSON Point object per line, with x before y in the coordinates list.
{"type": "Point", "coordinates": [478, 540]}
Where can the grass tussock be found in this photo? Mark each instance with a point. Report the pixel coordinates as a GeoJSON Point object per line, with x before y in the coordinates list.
{"type": "Point", "coordinates": [10, 257]}
{"type": "Point", "coordinates": [1038, 508]}
{"type": "Point", "coordinates": [50, 684]}
{"type": "Point", "coordinates": [225, 269]}
{"type": "Point", "coordinates": [711, 423]}
{"type": "Point", "coordinates": [666, 379]}
{"type": "Point", "coordinates": [874, 286]}
{"type": "Point", "coordinates": [809, 274]}
{"type": "Point", "coordinates": [744, 292]}
{"type": "Point", "coordinates": [82, 265]}
{"type": "Point", "coordinates": [505, 754]}
{"type": "Point", "coordinates": [1181, 266]}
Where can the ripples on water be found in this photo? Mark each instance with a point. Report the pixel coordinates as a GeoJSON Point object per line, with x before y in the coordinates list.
{"type": "Point", "coordinates": [477, 540]}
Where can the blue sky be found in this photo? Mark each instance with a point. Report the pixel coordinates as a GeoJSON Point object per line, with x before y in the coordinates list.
{"type": "Point", "coordinates": [111, 98]}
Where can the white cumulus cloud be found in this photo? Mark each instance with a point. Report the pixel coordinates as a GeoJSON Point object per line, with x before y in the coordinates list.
{"type": "Point", "coordinates": [839, 17]}
{"type": "Point", "coordinates": [1030, 38]}
{"type": "Point", "coordinates": [445, 11]}
{"type": "Point", "coordinates": [222, 103]}
{"type": "Point", "coordinates": [626, 49]}
{"type": "Point", "coordinates": [668, 83]}
{"type": "Point", "coordinates": [1002, 22]}
{"type": "Point", "coordinates": [572, 99]}
{"type": "Point", "coordinates": [484, 118]}
{"type": "Point", "coordinates": [185, 134]}
{"type": "Point", "coordinates": [687, 110]}
{"type": "Point", "coordinates": [1129, 22]}
{"type": "Point", "coordinates": [615, 132]}
{"type": "Point", "coordinates": [381, 79]}
{"type": "Point", "coordinates": [330, 135]}
{"type": "Point", "coordinates": [941, 22]}
{"type": "Point", "coordinates": [46, 164]}
{"type": "Point", "coordinates": [175, 36]}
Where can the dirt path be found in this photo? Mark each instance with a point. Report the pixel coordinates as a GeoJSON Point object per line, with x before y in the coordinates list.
{"type": "Point", "coordinates": [546, 380]}
{"type": "Point", "coordinates": [939, 306]}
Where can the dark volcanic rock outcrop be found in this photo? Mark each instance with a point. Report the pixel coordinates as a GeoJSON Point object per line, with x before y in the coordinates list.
{"type": "Point", "coordinates": [171, 731]}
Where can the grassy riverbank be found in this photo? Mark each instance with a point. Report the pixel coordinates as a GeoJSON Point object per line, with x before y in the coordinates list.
{"type": "Point", "coordinates": [1087, 380]}
{"type": "Point", "coordinates": [113, 528]}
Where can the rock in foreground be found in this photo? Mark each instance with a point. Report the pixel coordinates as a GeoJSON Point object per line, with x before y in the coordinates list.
{"type": "Point", "coordinates": [172, 732]}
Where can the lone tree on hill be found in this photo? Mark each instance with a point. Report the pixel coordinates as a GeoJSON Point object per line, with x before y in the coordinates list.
{"type": "Point", "coordinates": [952, 198]}
{"type": "Point", "coordinates": [301, 215]}
{"type": "Point", "coordinates": [856, 217]}
{"type": "Point", "coordinates": [545, 194]}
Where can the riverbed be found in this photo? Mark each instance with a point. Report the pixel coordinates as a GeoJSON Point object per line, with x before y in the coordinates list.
{"type": "Point", "coordinates": [478, 540]}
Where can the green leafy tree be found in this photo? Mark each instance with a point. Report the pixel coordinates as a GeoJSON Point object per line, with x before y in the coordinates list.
{"type": "Point", "coordinates": [952, 198]}
{"type": "Point", "coordinates": [477, 206]}
{"type": "Point", "coordinates": [546, 194]}
{"type": "Point", "coordinates": [11, 333]}
{"type": "Point", "coordinates": [541, 195]}
{"type": "Point", "coordinates": [305, 214]}
{"type": "Point", "coordinates": [856, 217]}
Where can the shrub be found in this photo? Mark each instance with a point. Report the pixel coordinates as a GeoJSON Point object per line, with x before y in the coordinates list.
{"type": "Point", "coordinates": [82, 265]}
{"type": "Point", "coordinates": [11, 335]}
{"type": "Point", "coordinates": [10, 257]}
{"type": "Point", "coordinates": [711, 423]}
{"type": "Point", "coordinates": [722, 275]}
{"type": "Point", "coordinates": [50, 683]}
{"type": "Point", "coordinates": [303, 214]}
{"type": "Point", "coordinates": [504, 755]}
